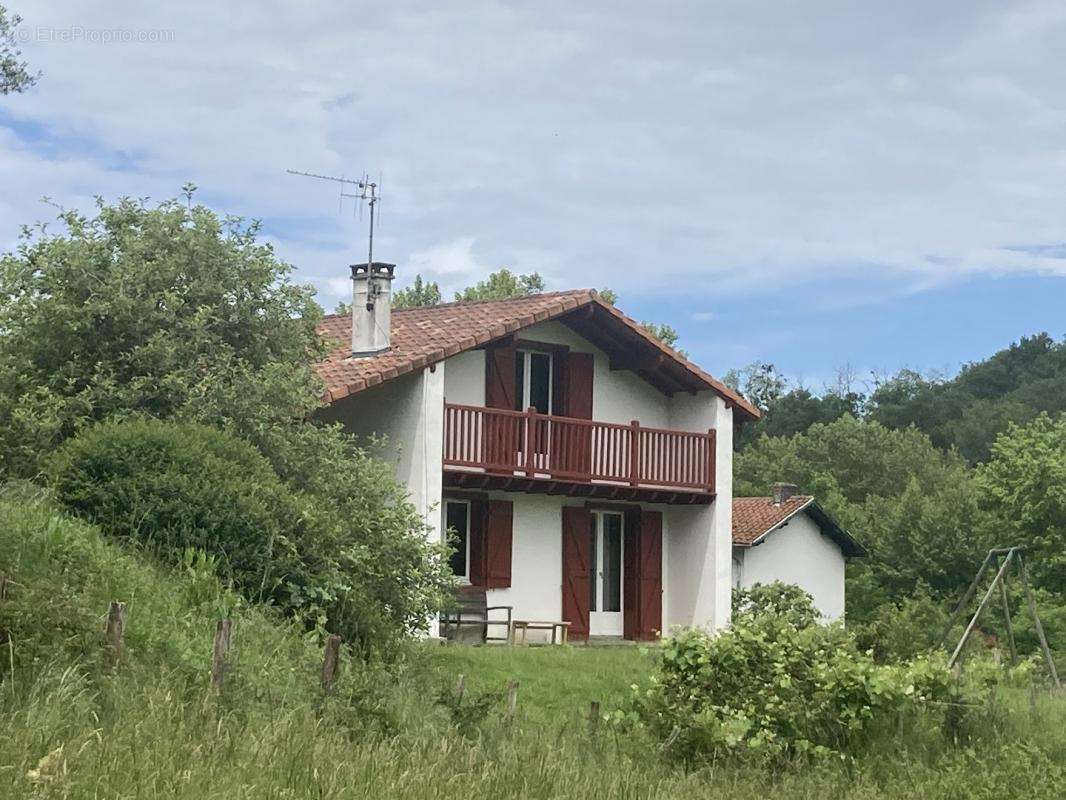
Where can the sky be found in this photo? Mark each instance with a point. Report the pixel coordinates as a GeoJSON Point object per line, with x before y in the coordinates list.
{"type": "Point", "coordinates": [812, 184]}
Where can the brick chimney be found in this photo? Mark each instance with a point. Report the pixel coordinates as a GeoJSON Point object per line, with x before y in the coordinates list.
{"type": "Point", "coordinates": [371, 308]}
{"type": "Point", "coordinates": [783, 491]}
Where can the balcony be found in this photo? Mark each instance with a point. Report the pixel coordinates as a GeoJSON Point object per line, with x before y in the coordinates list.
{"type": "Point", "coordinates": [527, 451]}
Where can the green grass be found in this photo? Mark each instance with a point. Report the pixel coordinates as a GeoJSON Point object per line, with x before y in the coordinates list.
{"type": "Point", "coordinates": [556, 684]}
{"type": "Point", "coordinates": [71, 728]}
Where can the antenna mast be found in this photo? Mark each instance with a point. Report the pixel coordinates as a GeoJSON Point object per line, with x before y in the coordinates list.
{"type": "Point", "coordinates": [366, 192]}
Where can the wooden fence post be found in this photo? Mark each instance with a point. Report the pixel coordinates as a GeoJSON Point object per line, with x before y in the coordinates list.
{"type": "Point", "coordinates": [460, 690]}
{"type": "Point", "coordinates": [115, 632]}
{"type": "Point", "coordinates": [594, 716]}
{"type": "Point", "coordinates": [220, 652]}
{"type": "Point", "coordinates": [330, 661]}
{"type": "Point", "coordinates": [512, 701]}
{"type": "Point", "coordinates": [3, 589]}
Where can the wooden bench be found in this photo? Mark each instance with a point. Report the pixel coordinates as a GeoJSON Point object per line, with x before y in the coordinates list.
{"type": "Point", "coordinates": [471, 610]}
{"type": "Point", "coordinates": [560, 630]}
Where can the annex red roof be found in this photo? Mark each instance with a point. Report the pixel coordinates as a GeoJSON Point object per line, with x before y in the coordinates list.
{"type": "Point", "coordinates": [754, 517]}
{"type": "Point", "coordinates": [425, 336]}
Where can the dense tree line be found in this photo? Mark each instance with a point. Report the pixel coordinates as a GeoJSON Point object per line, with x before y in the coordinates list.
{"type": "Point", "coordinates": [965, 412]}
{"type": "Point", "coordinates": [929, 473]}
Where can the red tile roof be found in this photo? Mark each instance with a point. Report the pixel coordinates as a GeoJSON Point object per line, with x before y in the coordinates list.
{"type": "Point", "coordinates": [754, 516]}
{"type": "Point", "coordinates": [424, 336]}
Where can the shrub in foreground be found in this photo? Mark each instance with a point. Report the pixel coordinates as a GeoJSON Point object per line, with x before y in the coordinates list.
{"type": "Point", "coordinates": [174, 486]}
{"type": "Point", "coordinates": [770, 687]}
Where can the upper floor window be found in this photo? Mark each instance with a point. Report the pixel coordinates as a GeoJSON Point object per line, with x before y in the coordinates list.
{"type": "Point", "coordinates": [533, 381]}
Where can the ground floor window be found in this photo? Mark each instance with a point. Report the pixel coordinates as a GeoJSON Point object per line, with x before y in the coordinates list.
{"type": "Point", "coordinates": [457, 528]}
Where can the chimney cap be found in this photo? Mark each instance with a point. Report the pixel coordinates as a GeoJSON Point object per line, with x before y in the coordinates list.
{"type": "Point", "coordinates": [783, 491]}
{"type": "Point", "coordinates": [375, 268]}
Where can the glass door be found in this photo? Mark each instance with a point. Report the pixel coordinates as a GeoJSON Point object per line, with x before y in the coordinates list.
{"type": "Point", "coordinates": [605, 565]}
{"type": "Point", "coordinates": [533, 389]}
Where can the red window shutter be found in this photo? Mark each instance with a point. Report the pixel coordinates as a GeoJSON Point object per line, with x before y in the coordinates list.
{"type": "Point", "coordinates": [576, 577]}
{"type": "Point", "coordinates": [578, 382]}
{"type": "Point", "coordinates": [499, 377]}
{"type": "Point", "coordinates": [650, 569]}
{"type": "Point", "coordinates": [478, 520]}
{"type": "Point", "coordinates": [498, 536]}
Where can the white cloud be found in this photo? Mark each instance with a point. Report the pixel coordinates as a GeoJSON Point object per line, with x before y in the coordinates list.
{"type": "Point", "coordinates": [727, 147]}
{"type": "Point", "coordinates": [704, 316]}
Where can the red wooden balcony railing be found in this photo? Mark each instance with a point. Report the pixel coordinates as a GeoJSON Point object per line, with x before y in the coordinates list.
{"type": "Point", "coordinates": [564, 448]}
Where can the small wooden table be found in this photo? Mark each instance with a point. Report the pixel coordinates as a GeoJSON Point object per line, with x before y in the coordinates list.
{"type": "Point", "coordinates": [560, 630]}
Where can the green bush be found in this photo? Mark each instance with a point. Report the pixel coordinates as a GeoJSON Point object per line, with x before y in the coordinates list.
{"type": "Point", "coordinates": [171, 487]}
{"type": "Point", "coordinates": [769, 688]}
{"type": "Point", "coordinates": [898, 631]}
{"type": "Point", "coordinates": [781, 599]}
{"type": "Point", "coordinates": [361, 568]}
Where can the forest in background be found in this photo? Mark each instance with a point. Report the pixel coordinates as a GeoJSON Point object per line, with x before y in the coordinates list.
{"type": "Point", "coordinates": [928, 472]}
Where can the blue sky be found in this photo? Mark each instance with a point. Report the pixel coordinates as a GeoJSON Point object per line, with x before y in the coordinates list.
{"type": "Point", "coordinates": [814, 184]}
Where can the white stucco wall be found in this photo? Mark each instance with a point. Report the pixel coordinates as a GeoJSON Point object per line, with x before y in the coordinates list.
{"type": "Point", "coordinates": [617, 396]}
{"type": "Point", "coordinates": [409, 412]}
{"type": "Point", "coordinates": [700, 541]}
{"type": "Point", "coordinates": [798, 553]}
{"type": "Point", "coordinates": [464, 378]}
{"type": "Point", "coordinates": [536, 590]}
{"type": "Point", "coordinates": [697, 567]}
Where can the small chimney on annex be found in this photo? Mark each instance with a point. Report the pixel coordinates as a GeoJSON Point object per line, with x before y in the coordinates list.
{"type": "Point", "coordinates": [782, 492]}
{"type": "Point", "coordinates": [371, 308]}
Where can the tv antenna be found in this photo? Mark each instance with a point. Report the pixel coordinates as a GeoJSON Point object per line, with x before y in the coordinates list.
{"type": "Point", "coordinates": [362, 190]}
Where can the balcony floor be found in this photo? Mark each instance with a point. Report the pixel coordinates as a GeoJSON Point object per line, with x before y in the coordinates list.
{"type": "Point", "coordinates": [466, 479]}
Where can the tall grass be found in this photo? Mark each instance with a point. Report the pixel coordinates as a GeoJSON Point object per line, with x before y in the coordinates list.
{"type": "Point", "coordinates": [71, 728]}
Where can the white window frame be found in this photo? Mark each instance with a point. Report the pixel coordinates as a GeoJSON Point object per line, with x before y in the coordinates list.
{"type": "Point", "coordinates": [465, 578]}
{"type": "Point", "coordinates": [527, 367]}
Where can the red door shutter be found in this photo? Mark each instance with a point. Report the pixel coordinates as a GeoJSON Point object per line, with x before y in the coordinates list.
{"type": "Point", "coordinates": [574, 455]}
{"type": "Point", "coordinates": [576, 578]}
{"type": "Point", "coordinates": [651, 575]}
{"type": "Point", "coordinates": [631, 576]}
{"type": "Point", "coordinates": [499, 377]}
{"type": "Point", "coordinates": [478, 519]}
{"type": "Point", "coordinates": [499, 438]}
{"type": "Point", "coordinates": [498, 536]}
{"type": "Point", "coordinates": [578, 382]}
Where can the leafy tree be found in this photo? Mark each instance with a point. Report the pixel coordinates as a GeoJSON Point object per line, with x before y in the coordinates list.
{"type": "Point", "coordinates": [14, 74]}
{"type": "Point", "coordinates": [172, 313]}
{"type": "Point", "coordinates": [501, 285]}
{"type": "Point", "coordinates": [418, 295]}
{"type": "Point", "coordinates": [146, 310]}
{"type": "Point", "coordinates": [666, 334]}
{"type": "Point", "coordinates": [970, 410]}
{"type": "Point", "coordinates": [609, 296]}
{"type": "Point", "coordinates": [1025, 480]}
{"type": "Point", "coordinates": [759, 382]}
{"type": "Point", "coordinates": [914, 507]}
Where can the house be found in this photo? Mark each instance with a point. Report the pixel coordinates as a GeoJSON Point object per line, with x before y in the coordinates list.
{"type": "Point", "coordinates": [788, 537]}
{"type": "Point", "coordinates": [584, 467]}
